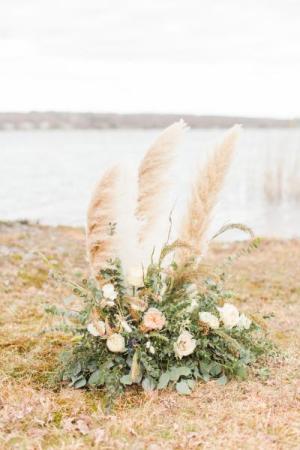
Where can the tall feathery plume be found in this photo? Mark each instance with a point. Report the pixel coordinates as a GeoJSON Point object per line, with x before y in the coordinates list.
{"type": "Point", "coordinates": [153, 177]}
{"type": "Point", "coordinates": [204, 195]}
{"type": "Point", "coordinates": [102, 216]}
{"type": "Point", "coordinates": [128, 224]}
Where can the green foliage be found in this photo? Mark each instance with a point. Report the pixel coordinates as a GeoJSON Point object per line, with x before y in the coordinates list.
{"type": "Point", "coordinates": [149, 357]}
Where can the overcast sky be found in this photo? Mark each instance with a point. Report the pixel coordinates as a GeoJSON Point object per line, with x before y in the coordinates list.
{"type": "Point", "coordinates": [185, 56]}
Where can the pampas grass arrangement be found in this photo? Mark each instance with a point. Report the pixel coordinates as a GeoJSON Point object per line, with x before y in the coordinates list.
{"type": "Point", "coordinates": [164, 323]}
{"type": "Point", "coordinates": [153, 184]}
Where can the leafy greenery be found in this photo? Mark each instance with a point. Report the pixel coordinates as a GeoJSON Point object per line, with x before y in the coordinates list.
{"type": "Point", "coordinates": [150, 356]}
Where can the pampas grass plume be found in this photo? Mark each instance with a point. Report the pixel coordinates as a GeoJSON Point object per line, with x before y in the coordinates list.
{"type": "Point", "coordinates": [101, 238]}
{"type": "Point", "coordinates": [204, 194]}
{"type": "Point", "coordinates": [153, 177]}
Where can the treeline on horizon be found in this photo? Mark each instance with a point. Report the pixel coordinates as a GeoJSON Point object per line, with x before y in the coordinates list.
{"type": "Point", "coordinates": [83, 120]}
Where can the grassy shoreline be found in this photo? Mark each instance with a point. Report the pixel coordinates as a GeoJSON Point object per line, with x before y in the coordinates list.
{"type": "Point", "coordinates": [262, 412]}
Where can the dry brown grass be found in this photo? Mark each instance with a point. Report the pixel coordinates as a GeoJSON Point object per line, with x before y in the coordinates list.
{"type": "Point", "coordinates": [261, 413]}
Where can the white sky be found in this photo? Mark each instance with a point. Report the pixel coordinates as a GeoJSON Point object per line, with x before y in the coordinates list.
{"type": "Point", "coordinates": [185, 56]}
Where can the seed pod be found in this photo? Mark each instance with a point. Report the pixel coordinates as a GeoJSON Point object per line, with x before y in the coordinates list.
{"type": "Point", "coordinates": [136, 369]}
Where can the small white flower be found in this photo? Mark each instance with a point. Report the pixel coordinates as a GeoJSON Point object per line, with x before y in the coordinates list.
{"type": "Point", "coordinates": [116, 343]}
{"type": "Point", "coordinates": [185, 344]}
{"type": "Point", "coordinates": [152, 350]}
{"type": "Point", "coordinates": [150, 347]}
{"type": "Point", "coordinates": [135, 277]}
{"type": "Point", "coordinates": [229, 315]}
{"type": "Point", "coordinates": [244, 322]}
{"type": "Point", "coordinates": [109, 292]}
{"type": "Point", "coordinates": [211, 320]}
{"type": "Point", "coordinates": [124, 324]}
{"type": "Point", "coordinates": [96, 328]}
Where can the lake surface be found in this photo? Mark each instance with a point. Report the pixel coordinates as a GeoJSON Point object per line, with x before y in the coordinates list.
{"type": "Point", "coordinates": [47, 176]}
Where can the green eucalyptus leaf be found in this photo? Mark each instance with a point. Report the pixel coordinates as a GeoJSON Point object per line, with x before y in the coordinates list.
{"type": "Point", "coordinates": [97, 378]}
{"type": "Point", "coordinates": [76, 369]}
{"type": "Point", "coordinates": [80, 383]}
{"type": "Point", "coordinates": [183, 388]}
{"type": "Point", "coordinates": [74, 380]}
{"type": "Point", "coordinates": [163, 380]}
{"type": "Point", "coordinates": [206, 377]}
{"type": "Point", "coordinates": [204, 367]}
{"type": "Point", "coordinates": [215, 369]}
{"type": "Point", "coordinates": [222, 380]}
{"type": "Point", "coordinates": [177, 372]}
{"type": "Point", "coordinates": [148, 384]}
{"type": "Point", "coordinates": [126, 380]}
{"type": "Point", "coordinates": [241, 372]}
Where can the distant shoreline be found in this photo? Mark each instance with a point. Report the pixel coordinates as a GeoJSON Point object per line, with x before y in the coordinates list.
{"type": "Point", "coordinates": [84, 121]}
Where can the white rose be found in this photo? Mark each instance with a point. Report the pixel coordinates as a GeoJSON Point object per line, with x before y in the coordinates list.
{"type": "Point", "coordinates": [154, 319]}
{"type": "Point", "coordinates": [211, 320]}
{"type": "Point", "coordinates": [185, 344]}
{"type": "Point", "coordinates": [109, 291]}
{"type": "Point", "coordinates": [244, 322]}
{"type": "Point", "coordinates": [116, 343]}
{"type": "Point", "coordinates": [135, 277]}
{"type": "Point", "coordinates": [96, 328]}
{"type": "Point", "coordinates": [229, 315]}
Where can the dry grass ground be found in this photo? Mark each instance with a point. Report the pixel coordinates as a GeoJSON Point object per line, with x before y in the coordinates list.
{"type": "Point", "coordinates": [260, 413]}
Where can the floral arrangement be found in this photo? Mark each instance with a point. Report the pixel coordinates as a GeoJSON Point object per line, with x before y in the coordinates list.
{"type": "Point", "coordinates": [163, 321]}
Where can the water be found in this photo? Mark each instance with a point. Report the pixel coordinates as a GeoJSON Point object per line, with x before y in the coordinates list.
{"type": "Point", "coordinates": [47, 176]}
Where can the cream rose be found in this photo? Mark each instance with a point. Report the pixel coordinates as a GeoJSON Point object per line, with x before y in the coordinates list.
{"type": "Point", "coordinates": [154, 319]}
{"type": "Point", "coordinates": [185, 344]}
{"type": "Point", "coordinates": [135, 277]}
{"type": "Point", "coordinates": [229, 315]}
{"type": "Point", "coordinates": [96, 328]}
{"type": "Point", "coordinates": [116, 343]}
{"type": "Point", "coordinates": [244, 322]}
{"type": "Point", "coordinates": [211, 320]}
{"type": "Point", "coordinates": [109, 291]}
